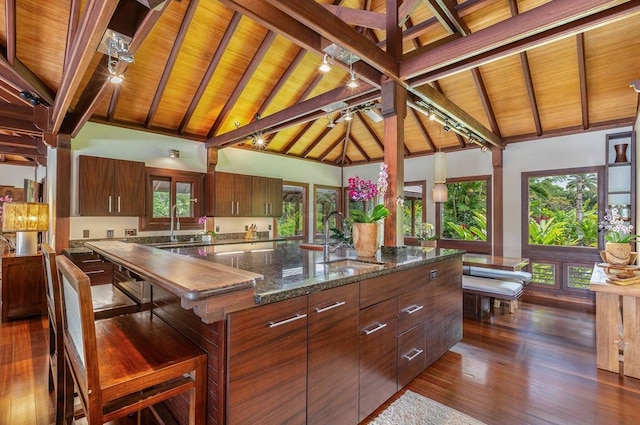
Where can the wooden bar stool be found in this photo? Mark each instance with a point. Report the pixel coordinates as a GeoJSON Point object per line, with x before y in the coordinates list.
{"type": "Point", "coordinates": [123, 364]}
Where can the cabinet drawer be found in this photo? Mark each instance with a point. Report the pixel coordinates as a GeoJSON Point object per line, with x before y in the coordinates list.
{"type": "Point", "coordinates": [378, 289]}
{"type": "Point", "coordinates": [412, 358]}
{"type": "Point", "coordinates": [411, 309]}
{"type": "Point", "coordinates": [99, 271]}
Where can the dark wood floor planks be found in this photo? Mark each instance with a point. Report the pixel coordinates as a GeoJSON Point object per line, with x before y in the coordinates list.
{"type": "Point", "coordinates": [536, 366]}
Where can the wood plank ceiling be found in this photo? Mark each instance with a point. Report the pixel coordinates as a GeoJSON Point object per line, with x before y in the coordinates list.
{"type": "Point", "coordinates": [224, 72]}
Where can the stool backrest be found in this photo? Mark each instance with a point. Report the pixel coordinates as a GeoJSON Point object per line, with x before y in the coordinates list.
{"type": "Point", "coordinates": [78, 324]}
{"type": "Point", "coordinates": [53, 287]}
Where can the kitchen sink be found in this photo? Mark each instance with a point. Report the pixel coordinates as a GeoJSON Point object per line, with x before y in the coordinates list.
{"type": "Point", "coordinates": [349, 266]}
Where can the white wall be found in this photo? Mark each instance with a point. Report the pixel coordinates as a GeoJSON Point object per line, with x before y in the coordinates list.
{"type": "Point", "coordinates": [586, 149]}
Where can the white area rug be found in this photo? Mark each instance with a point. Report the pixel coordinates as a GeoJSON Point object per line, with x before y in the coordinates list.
{"type": "Point", "coordinates": [414, 409]}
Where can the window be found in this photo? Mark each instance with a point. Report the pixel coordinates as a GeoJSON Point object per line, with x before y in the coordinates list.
{"type": "Point", "coordinates": [560, 227]}
{"type": "Point", "coordinates": [413, 212]}
{"type": "Point", "coordinates": [464, 220]}
{"type": "Point", "coordinates": [167, 189]}
{"type": "Point", "coordinates": [292, 224]}
{"type": "Point", "coordinates": [326, 200]}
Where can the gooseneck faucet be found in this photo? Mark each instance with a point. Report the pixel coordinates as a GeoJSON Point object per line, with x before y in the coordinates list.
{"type": "Point", "coordinates": [174, 216]}
{"type": "Point", "coordinates": [326, 232]}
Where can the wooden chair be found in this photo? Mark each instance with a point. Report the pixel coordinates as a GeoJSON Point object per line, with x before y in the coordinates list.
{"type": "Point", "coordinates": [108, 301]}
{"type": "Point", "coordinates": [123, 364]}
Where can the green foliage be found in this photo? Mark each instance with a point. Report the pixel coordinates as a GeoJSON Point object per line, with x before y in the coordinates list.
{"type": "Point", "coordinates": [475, 232]}
{"type": "Point", "coordinates": [378, 213]}
{"type": "Point", "coordinates": [465, 211]}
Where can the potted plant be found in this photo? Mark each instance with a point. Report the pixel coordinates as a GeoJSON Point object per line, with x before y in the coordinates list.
{"type": "Point", "coordinates": [426, 234]}
{"type": "Point", "coordinates": [207, 236]}
{"type": "Point", "coordinates": [618, 237]}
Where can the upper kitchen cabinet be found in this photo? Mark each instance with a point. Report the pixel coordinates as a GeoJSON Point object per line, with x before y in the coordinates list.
{"type": "Point", "coordinates": [232, 194]}
{"type": "Point", "coordinates": [110, 187]}
{"type": "Point", "coordinates": [266, 197]}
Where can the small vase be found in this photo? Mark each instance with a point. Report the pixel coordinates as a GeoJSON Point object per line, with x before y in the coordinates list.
{"type": "Point", "coordinates": [206, 238]}
{"type": "Point", "coordinates": [365, 239]}
{"type": "Point", "coordinates": [618, 253]}
{"type": "Point", "coordinates": [621, 152]}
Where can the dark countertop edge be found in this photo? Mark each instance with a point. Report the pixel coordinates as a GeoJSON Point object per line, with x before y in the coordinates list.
{"type": "Point", "coordinates": [164, 245]}
{"type": "Point", "coordinates": [175, 289]}
{"type": "Point", "coordinates": [284, 294]}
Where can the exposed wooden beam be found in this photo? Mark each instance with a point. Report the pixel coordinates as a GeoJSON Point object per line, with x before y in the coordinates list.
{"type": "Point", "coordinates": [582, 74]}
{"type": "Point", "coordinates": [282, 81]}
{"type": "Point", "coordinates": [10, 29]}
{"type": "Point", "coordinates": [171, 61]}
{"type": "Point", "coordinates": [356, 144]}
{"type": "Point", "coordinates": [362, 18]}
{"type": "Point", "coordinates": [213, 64]}
{"type": "Point", "coordinates": [314, 16]}
{"type": "Point", "coordinates": [94, 21]}
{"type": "Point", "coordinates": [18, 140]}
{"type": "Point", "coordinates": [75, 7]}
{"type": "Point", "coordinates": [405, 9]}
{"type": "Point", "coordinates": [22, 78]}
{"type": "Point", "coordinates": [486, 103]}
{"type": "Point", "coordinates": [281, 23]}
{"type": "Point", "coordinates": [97, 85]}
{"type": "Point", "coordinates": [18, 118]}
{"type": "Point", "coordinates": [331, 147]}
{"type": "Point", "coordinates": [372, 133]}
{"type": "Point", "coordinates": [423, 129]}
{"type": "Point", "coordinates": [553, 20]}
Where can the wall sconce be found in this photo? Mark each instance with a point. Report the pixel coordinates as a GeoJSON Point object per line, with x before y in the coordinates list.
{"type": "Point", "coordinates": [174, 153]}
{"type": "Point", "coordinates": [439, 192]}
{"type": "Point", "coordinates": [26, 219]}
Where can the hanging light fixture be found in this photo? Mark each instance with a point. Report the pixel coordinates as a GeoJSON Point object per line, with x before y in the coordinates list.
{"type": "Point", "coordinates": [348, 116]}
{"type": "Point", "coordinates": [117, 51]}
{"type": "Point", "coordinates": [352, 82]}
{"type": "Point", "coordinates": [325, 65]}
{"type": "Point", "coordinates": [439, 191]}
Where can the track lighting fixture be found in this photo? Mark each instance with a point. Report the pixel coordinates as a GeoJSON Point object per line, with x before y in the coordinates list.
{"type": "Point", "coordinates": [331, 124]}
{"type": "Point", "coordinates": [446, 126]}
{"type": "Point", "coordinates": [352, 82]}
{"type": "Point", "coordinates": [432, 114]}
{"type": "Point", "coordinates": [325, 65]}
{"type": "Point", "coordinates": [30, 97]}
{"type": "Point", "coordinates": [348, 116]}
{"type": "Point", "coordinates": [117, 51]}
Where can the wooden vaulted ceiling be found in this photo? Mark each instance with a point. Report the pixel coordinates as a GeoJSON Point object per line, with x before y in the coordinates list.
{"type": "Point", "coordinates": [224, 71]}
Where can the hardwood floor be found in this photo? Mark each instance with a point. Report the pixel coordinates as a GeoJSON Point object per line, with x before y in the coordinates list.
{"type": "Point", "coordinates": [536, 366]}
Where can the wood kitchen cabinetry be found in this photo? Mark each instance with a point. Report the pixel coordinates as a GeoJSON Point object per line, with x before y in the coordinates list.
{"type": "Point", "coordinates": [232, 195]}
{"type": "Point", "coordinates": [110, 187]}
{"type": "Point", "coordinates": [23, 290]}
{"type": "Point", "coordinates": [333, 357]}
{"type": "Point", "coordinates": [267, 364]}
{"type": "Point", "coordinates": [266, 197]}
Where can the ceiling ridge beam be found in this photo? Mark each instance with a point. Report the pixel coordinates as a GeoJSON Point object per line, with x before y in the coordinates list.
{"type": "Point", "coordinates": [359, 17]}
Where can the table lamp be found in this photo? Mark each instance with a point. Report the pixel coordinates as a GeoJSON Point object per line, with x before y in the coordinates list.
{"type": "Point", "coordinates": [26, 219]}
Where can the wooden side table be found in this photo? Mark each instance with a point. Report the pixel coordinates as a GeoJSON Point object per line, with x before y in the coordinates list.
{"type": "Point", "coordinates": [23, 290]}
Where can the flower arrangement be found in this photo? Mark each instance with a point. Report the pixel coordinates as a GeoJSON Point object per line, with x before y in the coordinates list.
{"type": "Point", "coordinates": [366, 190]}
{"type": "Point", "coordinates": [617, 230]}
{"type": "Point", "coordinates": [426, 232]}
{"type": "Point", "coordinates": [3, 199]}
{"type": "Point", "coordinates": [203, 220]}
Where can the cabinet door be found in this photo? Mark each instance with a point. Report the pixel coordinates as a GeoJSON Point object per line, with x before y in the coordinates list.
{"type": "Point", "coordinates": [411, 354]}
{"type": "Point", "coordinates": [333, 357]}
{"type": "Point", "coordinates": [95, 191]}
{"type": "Point", "coordinates": [243, 195]}
{"type": "Point", "coordinates": [267, 364]}
{"type": "Point", "coordinates": [224, 194]}
{"type": "Point", "coordinates": [23, 288]}
{"type": "Point", "coordinates": [260, 199]}
{"type": "Point", "coordinates": [378, 347]}
{"type": "Point", "coordinates": [443, 305]}
{"type": "Point", "coordinates": [128, 188]}
{"type": "Point", "coordinates": [275, 197]}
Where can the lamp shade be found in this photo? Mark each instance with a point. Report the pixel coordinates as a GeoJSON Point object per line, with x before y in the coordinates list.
{"type": "Point", "coordinates": [439, 167]}
{"type": "Point", "coordinates": [25, 217]}
{"type": "Point", "coordinates": [439, 193]}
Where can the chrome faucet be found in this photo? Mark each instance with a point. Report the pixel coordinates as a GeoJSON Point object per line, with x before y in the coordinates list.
{"type": "Point", "coordinates": [326, 232]}
{"type": "Point", "coordinates": [174, 216]}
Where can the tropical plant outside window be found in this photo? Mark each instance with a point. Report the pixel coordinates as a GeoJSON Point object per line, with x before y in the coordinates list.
{"type": "Point", "coordinates": [326, 199]}
{"type": "Point", "coordinates": [412, 209]}
{"type": "Point", "coordinates": [291, 224]}
{"type": "Point", "coordinates": [162, 199]}
{"type": "Point", "coordinates": [563, 210]}
{"type": "Point", "coordinates": [464, 215]}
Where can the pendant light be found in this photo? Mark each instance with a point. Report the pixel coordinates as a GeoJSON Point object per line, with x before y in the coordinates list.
{"type": "Point", "coordinates": [439, 191]}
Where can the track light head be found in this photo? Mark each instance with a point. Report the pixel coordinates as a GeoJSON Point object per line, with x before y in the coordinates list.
{"type": "Point", "coordinates": [325, 65]}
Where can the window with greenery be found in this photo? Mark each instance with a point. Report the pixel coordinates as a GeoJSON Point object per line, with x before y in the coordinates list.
{"type": "Point", "coordinates": [464, 215]}
{"type": "Point", "coordinates": [293, 222]}
{"type": "Point", "coordinates": [326, 199]}
{"type": "Point", "coordinates": [412, 211]}
{"type": "Point", "coordinates": [563, 209]}
{"type": "Point", "coordinates": [167, 189]}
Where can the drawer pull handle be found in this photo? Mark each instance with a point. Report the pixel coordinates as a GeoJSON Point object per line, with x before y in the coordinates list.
{"type": "Point", "coordinates": [415, 354]}
{"type": "Point", "coordinates": [376, 329]}
{"type": "Point", "coordinates": [413, 309]}
{"type": "Point", "coordinates": [97, 260]}
{"type": "Point", "coordinates": [329, 307]}
{"type": "Point", "coordinates": [298, 316]}
{"type": "Point", "coordinates": [94, 272]}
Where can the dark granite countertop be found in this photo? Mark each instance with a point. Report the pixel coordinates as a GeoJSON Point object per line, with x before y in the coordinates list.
{"type": "Point", "coordinates": [290, 271]}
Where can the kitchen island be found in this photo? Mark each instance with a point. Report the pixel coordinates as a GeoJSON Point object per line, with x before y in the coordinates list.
{"type": "Point", "coordinates": [319, 341]}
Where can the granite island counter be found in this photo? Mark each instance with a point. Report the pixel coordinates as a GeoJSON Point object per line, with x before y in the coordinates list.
{"type": "Point", "coordinates": [318, 342]}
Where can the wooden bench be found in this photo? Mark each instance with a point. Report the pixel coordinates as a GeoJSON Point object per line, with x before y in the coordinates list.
{"type": "Point", "coordinates": [479, 291]}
